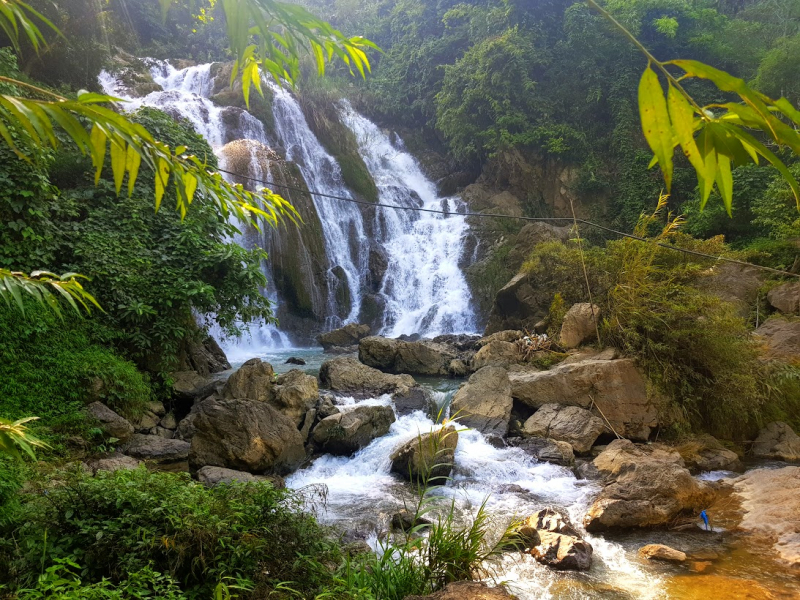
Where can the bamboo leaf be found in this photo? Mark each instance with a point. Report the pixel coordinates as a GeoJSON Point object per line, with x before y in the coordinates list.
{"type": "Point", "coordinates": [724, 179]}
{"type": "Point", "coordinates": [655, 122]}
{"type": "Point", "coordinates": [682, 116]}
{"type": "Point", "coordinates": [118, 164]}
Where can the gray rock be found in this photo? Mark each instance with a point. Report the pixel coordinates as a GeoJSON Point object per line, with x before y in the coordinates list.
{"type": "Point", "coordinates": [781, 338]}
{"type": "Point", "coordinates": [563, 552]}
{"type": "Point", "coordinates": [786, 298]}
{"type": "Point", "coordinates": [705, 453]}
{"type": "Point", "coordinates": [112, 424]}
{"type": "Point", "coordinates": [115, 462]}
{"type": "Point", "coordinates": [580, 325]}
{"type": "Point", "coordinates": [245, 435]}
{"type": "Point", "coordinates": [212, 476]}
{"type": "Point", "coordinates": [413, 357]}
{"type": "Point", "coordinates": [429, 454]}
{"type": "Point", "coordinates": [496, 353]}
{"type": "Point", "coordinates": [576, 426]}
{"type": "Point", "coordinates": [163, 432]}
{"type": "Point", "coordinates": [253, 381]}
{"type": "Point", "coordinates": [349, 335]}
{"type": "Point", "coordinates": [547, 450]}
{"type": "Point", "coordinates": [157, 408]}
{"type": "Point", "coordinates": [168, 421]}
{"type": "Point", "coordinates": [484, 402]}
{"type": "Point", "coordinates": [777, 441]}
{"type": "Point", "coordinates": [155, 448]}
{"type": "Point", "coordinates": [347, 432]}
{"type": "Point", "coordinates": [408, 400]}
{"type": "Point", "coordinates": [190, 385]}
{"type": "Point", "coordinates": [295, 394]}
{"type": "Point", "coordinates": [346, 374]}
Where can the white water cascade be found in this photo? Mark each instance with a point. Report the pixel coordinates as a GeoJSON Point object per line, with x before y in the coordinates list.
{"type": "Point", "coordinates": [424, 289]}
{"type": "Point", "coordinates": [342, 223]}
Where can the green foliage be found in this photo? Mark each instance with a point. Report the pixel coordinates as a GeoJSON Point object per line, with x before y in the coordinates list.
{"type": "Point", "coordinates": [143, 530]}
{"type": "Point", "coordinates": [50, 367]}
{"type": "Point", "coordinates": [775, 210]}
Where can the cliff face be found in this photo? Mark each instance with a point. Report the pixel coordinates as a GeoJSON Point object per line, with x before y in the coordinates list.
{"type": "Point", "coordinates": [300, 267]}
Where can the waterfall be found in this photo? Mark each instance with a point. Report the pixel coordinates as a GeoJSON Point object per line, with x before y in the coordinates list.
{"type": "Point", "coordinates": [424, 289]}
{"type": "Point", "coordinates": [342, 223]}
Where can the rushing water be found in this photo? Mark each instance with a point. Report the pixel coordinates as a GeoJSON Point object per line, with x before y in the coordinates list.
{"type": "Point", "coordinates": [424, 288]}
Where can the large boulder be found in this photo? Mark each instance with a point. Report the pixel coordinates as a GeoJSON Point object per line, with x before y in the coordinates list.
{"type": "Point", "coordinates": [580, 325]}
{"type": "Point", "coordinates": [781, 338]}
{"type": "Point", "coordinates": [429, 454]}
{"type": "Point", "coordinates": [253, 381]}
{"type": "Point", "coordinates": [351, 429]}
{"type": "Point", "coordinates": [613, 389]}
{"type": "Point", "coordinates": [645, 487]}
{"type": "Point", "coordinates": [191, 386]}
{"type": "Point", "coordinates": [496, 353]}
{"type": "Point", "coordinates": [546, 450]}
{"type": "Point", "coordinates": [771, 508]}
{"type": "Point", "coordinates": [563, 552]}
{"type": "Point", "coordinates": [572, 424]}
{"type": "Point", "coordinates": [347, 374]}
{"type": "Point", "coordinates": [520, 304]}
{"type": "Point", "coordinates": [212, 476]}
{"type": "Point", "coordinates": [344, 337]}
{"type": "Point", "coordinates": [245, 435]}
{"type": "Point", "coordinates": [778, 441]}
{"type": "Point", "coordinates": [786, 298]}
{"type": "Point", "coordinates": [111, 423]}
{"type": "Point", "coordinates": [484, 402]}
{"type": "Point", "coordinates": [508, 335]}
{"type": "Point", "coordinates": [156, 448]}
{"type": "Point", "coordinates": [706, 453]}
{"type": "Point", "coordinates": [398, 356]}
{"type": "Point", "coordinates": [295, 393]}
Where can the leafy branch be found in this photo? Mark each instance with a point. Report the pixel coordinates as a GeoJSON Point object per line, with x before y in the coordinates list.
{"type": "Point", "coordinates": [45, 288]}
{"type": "Point", "coordinates": [14, 435]}
{"type": "Point", "coordinates": [716, 137]}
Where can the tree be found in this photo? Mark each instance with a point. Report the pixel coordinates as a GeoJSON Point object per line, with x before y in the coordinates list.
{"type": "Point", "coordinates": [267, 37]}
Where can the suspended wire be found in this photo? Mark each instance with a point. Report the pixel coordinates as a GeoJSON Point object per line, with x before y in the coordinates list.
{"type": "Point", "coordinates": [273, 184]}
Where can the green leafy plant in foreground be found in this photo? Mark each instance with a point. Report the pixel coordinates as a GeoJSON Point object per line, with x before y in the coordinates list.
{"type": "Point", "coordinates": [14, 436]}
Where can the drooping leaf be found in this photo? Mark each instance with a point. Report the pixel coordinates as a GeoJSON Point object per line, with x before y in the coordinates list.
{"type": "Point", "coordinates": [655, 122]}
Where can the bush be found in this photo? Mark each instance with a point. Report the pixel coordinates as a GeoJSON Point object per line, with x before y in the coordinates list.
{"type": "Point", "coordinates": [115, 524]}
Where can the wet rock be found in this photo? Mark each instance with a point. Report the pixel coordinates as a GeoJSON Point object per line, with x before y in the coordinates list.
{"type": "Point", "coordinates": [496, 353]}
{"type": "Point", "coordinates": [293, 360]}
{"type": "Point", "coordinates": [662, 552]}
{"type": "Point", "coordinates": [706, 453]}
{"type": "Point", "coordinates": [349, 335]}
{"type": "Point", "coordinates": [781, 338]}
{"type": "Point", "coordinates": [112, 424]}
{"type": "Point", "coordinates": [156, 448]}
{"type": "Point", "coordinates": [295, 393]}
{"type": "Point", "coordinates": [212, 476]}
{"type": "Point", "coordinates": [615, 387]}
{"type": "Point", "coordinates": [253, 381]}
{"type": "Point", "coordinates": [553, 521]}
{"type": "Point", "coordinates": [466, 590]}
{"type": "Point", "coordinates": [115, 462]}
{"type": "Point", "coordinates": [777, 441]}
{"type": "Point", "coordinates": [563, 552]}
{"type": "Point", "coordinates": [771, 505]}
{"type": "Point", "coordinates": [347, 374]}
{"type": "Point", "coordinates": [414, 357]}
{"type": "Point", "coordinates": [408, 400]}
{"type": "Point", "coordinates": [576, 426]}
{"type": "Point", "coordinates": [463, 342]}
{"type": "Point", "coordinates": [458, 368]}
{"type": "Point", "coordinates": [547, 450]}
{"type": "Point", "coordinates": [190, 385]}
{"type": "Point", "coordinates": [347, 432]}
{"type": "Point", "coordinates": [786, 298]}
{"type": "Point", "coordinates": [484, 402]}
{"type": "Point", "coordinates": [431, 454]}
{"type": "Point", "coordinates": [585, 469]}
{"type": "Point", "coordinates": [645, 487]}
{"type": "Point", "coordinates": [700, 566]}
{"type": "Point", "coordinates": [404, 520]}
{"type": "Point", "coordinates": [245, 435]}
{"type": "Point", "coordinates": [580, 325]}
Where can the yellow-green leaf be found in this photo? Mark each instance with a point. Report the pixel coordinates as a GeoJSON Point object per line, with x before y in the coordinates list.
{"type": "Point", "coordinates": [655, 121]}
{"type": "Point", "coordinates": [118, 163]}
{"type": "Point", "coordinates": [681, 114]}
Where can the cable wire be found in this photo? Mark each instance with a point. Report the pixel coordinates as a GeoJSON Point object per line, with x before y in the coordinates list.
{"type": "Point", "coordinates": [274, 184]}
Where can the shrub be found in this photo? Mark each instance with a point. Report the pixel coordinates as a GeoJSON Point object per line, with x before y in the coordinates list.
{"type": "Point", "coordinates": [125, 522]}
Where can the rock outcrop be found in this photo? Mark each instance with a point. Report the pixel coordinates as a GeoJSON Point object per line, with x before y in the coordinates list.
{"type": "Point", "coordinates": [786, 298]}
{"type": "Point", "coordinates": [156, 448]}
{"type": "Point", "coordinates": [518, 305]}
{"type": "Point", "coordinates": [771, 507]}
{"type": "Point", "coordinates": [191, 386]}
{"type": "Point", "coordinates": [705, 453]}
{"type": "Point", "coordinates": [546, 450]}
{"type": "Point", "coordinates": [351, 429]}
{"type": "Point", "coordinates": [245, 435]}
{"type": "Point", "coordinates": [347, 374]}
{"type": "Point", "coordinates": [484, 402]}
{"type": "Point", "coordinates": [496, 353]}
{"type": "Point", "coordinates": [422, 357]}
{"type": "Point", "coordinates": [614, 389]}
{"type": "Point", "coordinates": [212, 476]}
{"type": "Point", "coordinates": [645, 487]}
{"type": "Point", "coordinates": [781, 338]}
{"type": "Point", "coordinates": [777, 441]}
{"type": "Point", "coordinates": [295, 393]}
{"type": "Point", "coordinates": [345, 337]}
{"type": "Point", "coordinates": [734, 283]}
{"type": "Point", "coordinates": [580, 325]}
{"type": "Point", "coordinates": [253, 381]}
{"type": "Point", "coordinates": [112, 424]}
{"type": "Point", "coordinates": [429, 454]}
{"type": "Point", "coordinates": [114, 462]}
{"type": "Point", "coordinates": [574, 425]}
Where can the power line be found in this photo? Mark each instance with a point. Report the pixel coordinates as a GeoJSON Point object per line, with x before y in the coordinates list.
{"type": "Point", "coordinates": [274, 184]}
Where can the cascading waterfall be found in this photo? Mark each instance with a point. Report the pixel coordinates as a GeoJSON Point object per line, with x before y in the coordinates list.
{"type": "Point", "coordinates": [342, 223]}
{"type": "Point", "coordinates": [424, 289]}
